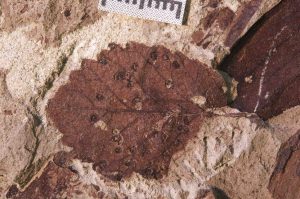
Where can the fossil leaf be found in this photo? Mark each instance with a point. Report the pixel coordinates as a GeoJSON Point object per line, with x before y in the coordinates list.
{"type": "Point", "coordinates": [141, 96]}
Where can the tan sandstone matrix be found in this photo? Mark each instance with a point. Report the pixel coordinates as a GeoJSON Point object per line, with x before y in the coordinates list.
{"type": "Point", "coordinates": [100, 105]}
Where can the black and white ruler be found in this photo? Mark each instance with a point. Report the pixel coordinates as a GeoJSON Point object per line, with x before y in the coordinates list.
{"type": "Point", "coordinates": [169, 11]}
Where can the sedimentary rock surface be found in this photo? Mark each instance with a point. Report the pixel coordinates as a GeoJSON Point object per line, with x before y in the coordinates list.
{"type": "Point", "coordinates": [56, 181]}
{"type": "Point", "coordinates": [17, 140]}
{"type": "Point", "coordinates": [253, 169]}
{"type": "Point", "coordinates": [53, 18]}
{"type": "Point", "coordinates": [102, 105]}
{"type": "Point", "coordinates": [284, 182]}
{"type": "Point", "coordinates": [217, 144]}
{"type": "Point", "coordinates": [266, 63]}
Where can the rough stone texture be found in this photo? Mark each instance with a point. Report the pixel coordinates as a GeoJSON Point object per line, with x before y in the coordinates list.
{"type": "Point", "coordinates": [249, 176]}
{"type": "Point", "coordinates": [59, 180]}
{"type": "Point", "coordinates": [285, 181]}
{"type": "Point", "coordinates": [254, 168]}
{"type": "Point", "coordinates": [38, 64]}
{"type": "Point", "coordinates": [54, 18]}
{"type": "Point", "coordinates": [221, 22]}
{"type": "Point", "coordinates": [34, 72]}
{"type": "Point", "coordinates": [267, 64]}
{"type": "Point", "coordinates": [224, 22]}
{"type": "Point", "coordinates": [217, 145]}
{"type": "Point", "coordinates": [287, 122]}
{"type": "Point", "coordinates": [205, 194]}
{"type": "Point", "coordinates": [56, 181]}
{"type": "Point", "coordinates": [15, 135]}
{"type": "Point", "coordinates": [24, 145]}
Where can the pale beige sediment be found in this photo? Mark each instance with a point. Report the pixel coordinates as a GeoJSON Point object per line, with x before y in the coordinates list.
{"type": "Point", "coordinates": [288, 123]}
{"type": "Point", "coordinates": [15, 136]}
{"type": "Point", "coordinates": [249, 176]}
{"type": "Point", "coordinates": [29, 66]}
{"type": "Point", "coordinates": [53, 18]}
{"type": "Point", "coordinates": [218, 144]}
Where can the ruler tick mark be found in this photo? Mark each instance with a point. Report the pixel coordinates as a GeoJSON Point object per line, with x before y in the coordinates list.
{"type": "Point", "coordinates": [170, 11]}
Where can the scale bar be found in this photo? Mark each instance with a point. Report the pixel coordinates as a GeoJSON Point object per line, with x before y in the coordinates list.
{"type": "Point", "coordinates": [168, 11]}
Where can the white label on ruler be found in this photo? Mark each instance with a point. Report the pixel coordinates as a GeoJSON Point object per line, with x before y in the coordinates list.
{"type": "Point", "coordinates": [169, 11]}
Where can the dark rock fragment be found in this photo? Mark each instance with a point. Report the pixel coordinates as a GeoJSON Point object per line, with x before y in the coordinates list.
{"type": "Point", "coordinates": [266, 63]}
{"type": "Point", "coordinates": [285, 180]}
{"type": "Point", "coordinates": [13, 190]}
{"type": "Point", "coordinates": [55, 182]}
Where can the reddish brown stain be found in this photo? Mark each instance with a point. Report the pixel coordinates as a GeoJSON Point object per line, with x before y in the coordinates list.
{"type": "Point", "coordinates": [205, 194]}
{"type": "Point", "coordinates": [223, 17]}
{"type": "Point", "coordinates": [285, 180]}
{"type": "Point", "coordinates": [12, 191]}
{"type": "Point", "coordinates": [141, 97]}
{"type": "Point", "coordinates": [218, 17]}
{"type": "Point", "coordinates": [56, 182]}
{"type": "Point", "coordinates": [213, 3]}
{"type": "Point", "coordinates": [269, 57]}
{"type": "Point", "coordinates": [240, 22]}
{"type": "Point", "coordinates": [197, 37]}
{"type": "Point", "coordinates": [8, 112]}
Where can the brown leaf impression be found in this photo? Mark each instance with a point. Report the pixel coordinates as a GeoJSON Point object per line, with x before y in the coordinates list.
{"type": "Point", "coordinates": [133, 108]}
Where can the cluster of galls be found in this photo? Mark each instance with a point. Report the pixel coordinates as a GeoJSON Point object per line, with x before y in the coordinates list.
{"type": "Point", "coordinates": [123, 130]}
